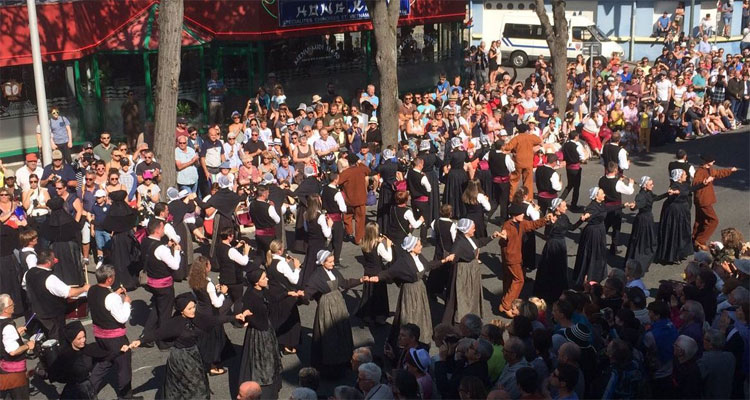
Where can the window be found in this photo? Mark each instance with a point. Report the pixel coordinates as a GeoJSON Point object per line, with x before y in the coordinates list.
{"type": "Point", "coordinates": [523, 31]}
{"type": "Point", "coordinates": [581, 34]}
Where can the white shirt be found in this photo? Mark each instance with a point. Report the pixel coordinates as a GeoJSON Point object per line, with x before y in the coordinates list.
{"type": "Point", "coordinates": [485, 202]}
{"type": "Point", "coordinates": [555, 180]}
{"type": "Point", "coordinates": [330, 274]}
{"type": "Point", "coordinates": [532, 212]}
{"type": "Point", "coordinates": [23, 173]}
{"type": "Point", "coordinates": [169, 231]}
{"type": "Point", "coordinates": [272, 213]}
{"type": "Point", "coordinates": [420, 266]}
{"type": "Point", "coordinates": [339, 199]}
{"type": "Point", "coordinates": [53, 284]}
{"type": "Point", "coordinates": [692, 169]}
{"type": "Point", "coordinates": [238, 257]}
{"type": "Point", "coordinates": [10, 338]}
{"type": "Point", "coordinates": [622, 159]}
{"type": "Point", "coordinates": [662, 89]}
{"type": "Point", "coordinates": [579, 150]}
{"type": "Point", "coordinates": [217, 299]}
{"type": "Point", "coordinates": [508, 162]}
{"type": "Point", "coordinates": [119, 309]}
{"type": "Point", "coordinates": [623, 188]}
{"type": "Point", "coordinates": [409, 216]}
{"type": "Point", "coordinates": [471, 242]}
{"type": "Point", "coordinates": [454, 227]}
{"type": "Point", "coordinates": [285, 269]}
{"type": "Point", "coordinates": [385, 254]}
{"type": "Point", "coordinates": [164, 253]}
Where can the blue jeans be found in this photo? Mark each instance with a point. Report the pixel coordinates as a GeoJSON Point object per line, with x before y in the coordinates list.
{"type": "Point", "coordinates": [102, 239]}
{"type": "Point", "coordinates": [190, 188]}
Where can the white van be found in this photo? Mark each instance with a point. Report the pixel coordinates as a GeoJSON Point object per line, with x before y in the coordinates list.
{"type": "Point", "coordinates": [522, 37]}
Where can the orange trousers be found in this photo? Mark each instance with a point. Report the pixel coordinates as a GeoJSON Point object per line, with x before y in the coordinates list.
{"type": "Point", "coordinates": [527, 174]}
{"type": "Point", "coordinates": [359, 214]}
{"type": "Point", "coordinates": [513, 279]}
{"type": "Point", "coordinates": [705, 224]}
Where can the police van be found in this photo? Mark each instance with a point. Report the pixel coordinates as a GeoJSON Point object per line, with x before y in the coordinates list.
{"type": "Point", "coordinates": [522, 37]}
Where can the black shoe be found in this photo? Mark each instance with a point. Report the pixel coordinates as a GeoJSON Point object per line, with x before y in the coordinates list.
{"type": "Point", "coordinates": [349, 238]}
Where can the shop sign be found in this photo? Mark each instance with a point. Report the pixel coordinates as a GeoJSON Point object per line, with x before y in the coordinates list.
{"type": "Point", "coordinates": [309, 12]}
{"type": "Point", "coordinates": [12, 90]}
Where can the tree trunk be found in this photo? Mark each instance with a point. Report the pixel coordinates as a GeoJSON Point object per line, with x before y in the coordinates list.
{"type": "Point", "coordinates": [557, 40]}
{"type": "Point", "coordinates": [167, 85]}
{"type": "Point", "coordinates": [384, 15]}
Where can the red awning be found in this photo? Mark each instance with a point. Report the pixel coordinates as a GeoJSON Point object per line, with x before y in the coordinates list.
{"type": "Point", "coordinates": [67, 30]}
{"type": "Point", "coordinates": [253, 20]}
{"type": "Point", "coordinates": [142, 33]}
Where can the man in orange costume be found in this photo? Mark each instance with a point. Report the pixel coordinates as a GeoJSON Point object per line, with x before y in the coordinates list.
{"type": "Point", "coordinates": [511, 237]}
{"type": "Point", "coordinates": [706, 220]}
{"type": "Point", "coordinates": [524, 144]}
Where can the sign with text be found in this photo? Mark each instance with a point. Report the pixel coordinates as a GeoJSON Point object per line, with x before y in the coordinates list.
{"type": "Point", "coordinates": [310, 12]}
{"type": "Point", "coordinates": [592, 49]}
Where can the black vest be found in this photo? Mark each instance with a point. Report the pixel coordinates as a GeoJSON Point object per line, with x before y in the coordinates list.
{"type": "Point", "coordinates": [24, 255]}
{"type": "Point", "coordinates": [570, 152]}
{"type": "Point", "coordinates": [314, 231]}
{"type": "Point", "coordinates": [230, 273]}
{"type": "Point", "coordinates": [4, 354]}
{"type": "Point", "coordinates": [43, 302]}
{"type": "Point", "coordinates": [609, 186]}
{"type": "Point", "coordinates": [398, 225]}
{"type": "Point", "coordinates": [542, 177]}
{"type": "Point", "coordinates": [259, 213]}
{"type": "Point", "coordinates": [328, 200]}
{"type": "Point", "coordinates": [609, 153]}
{"type": "Point", "coordinates": [497, 164]}
{"type": "Point", "coordinates": [679, 165]}
{"type": "Point", "coordinates": [155, 268]}
{"type": "Point", "coordinates": [414, 184]}
{"type": "Point", "coordinates": [278, 284]}
{"type": "Point", "coordinates": [100, 316]}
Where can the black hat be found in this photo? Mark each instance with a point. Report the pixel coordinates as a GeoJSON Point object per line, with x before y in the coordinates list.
{"type": "Point", "coordinates": [254, 276]}
{"type": "Point", "coordinates": [120, 216]}
{"type": "Point", "coordinates": [707, 158]}
{"type": "Point", "coordinates": [71, 330]}
{"type": "Point", "coordinates": [181, 301]}
{"type": "Point", "coordinates": [579, 334]}
{"type": "Point", "coordinates": [516, 209]}
{"type": "Point", "coordinates": [58, 217]}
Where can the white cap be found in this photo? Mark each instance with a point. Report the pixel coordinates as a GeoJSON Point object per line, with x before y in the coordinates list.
{"type": "Point", "coordinates": [644, 180]}
{"type": "Point", "coordinates": [676, 174]}
{"type": "Point", "coordinates": [593, 191]}
{"type": "Point", "coordinates": [464, 224]}
{"type": "Point", "coordinates": [100, 193]}
{"type": "Point", "coordinates": [224, 181]}
{"type": "Point", "coordinates": [322, 256]}
{"type": "Point", "coordinates": [309, 171]}
{"type": "Point", "coordinates": [268, 179]}
{"type": "Point", "coordinates": [555, 203]}
{"type": "Point", "coordinates": [409, 243]}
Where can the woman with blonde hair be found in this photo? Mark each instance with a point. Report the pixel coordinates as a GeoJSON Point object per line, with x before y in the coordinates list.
{"type": "Point", "coordinates": [210, 300]}
{"type": "Point", "coordinates": [476, 204]}
{"type": "Point", "coordinates": [377, 250]}
{"type": "Point", "coordinates": [284, 274]}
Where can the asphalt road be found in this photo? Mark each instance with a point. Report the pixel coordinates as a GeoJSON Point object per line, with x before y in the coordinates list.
{"type": "Point", "coordinates": [733, 210]}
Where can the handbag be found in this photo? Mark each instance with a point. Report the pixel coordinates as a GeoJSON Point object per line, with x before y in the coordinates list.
{"type": "Point", "coordinates": [371, 198]}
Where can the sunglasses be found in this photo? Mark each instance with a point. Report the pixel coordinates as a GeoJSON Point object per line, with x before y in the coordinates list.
{"type": "Point", "coordinates": [59, 188]}
{"type": "Point", "coordinates": [183, 142]}
{"type": "Point", "coordinates": [4, 195]}
{"type": "Point", "coordinates": [33, 181]}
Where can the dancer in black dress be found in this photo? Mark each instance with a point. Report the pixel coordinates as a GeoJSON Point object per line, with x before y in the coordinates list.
{"type": "Point", "coordinates": [332, 342]}
{"type": "Point", "coordinates": [501, 166]}
{"type": "Point", "coordinates": [552, 276]}
{"type": "Point", "coordinates": [455, 176]}
{"type": "Point", "coordinates": [125, 252]}
{"type": "Point", "coordinates": [387, 171]}
{"type": "Point", "coordinates": [591, 258]}
{"type": "Point", "coordinates": [309, 186]}
{"type": "Point", "coordinates": [644, 235]}
{"type": "Point", "coordinates": [317, 231]}
{"type": "Point", "coordinates": [482, 172]}
{"type": "Point", "coordinates": [532, 213]}
{"type": "Point", "coordinates": [402, 220]}
{"type": "Point", "coordinates": [675, 240]}
{"type": "Point", "coordinates": [261, 361]}
{"type": "Point", "coordinates": [284, 294]}
{"type": "Point", "coordinates": [431, 169]}
{"type": "Point", "coordinates": [377, 250]}
{"type": "Point", "coordinates": [445, 233]}
{"type": "Point", "coordinates": [211, 299]}
{"type": "Point", "coordinates": [412, 305]}
{"type": "Point", "coordinates": [64, 235]}
{"type": "Point", "coordinates": [476, 204]}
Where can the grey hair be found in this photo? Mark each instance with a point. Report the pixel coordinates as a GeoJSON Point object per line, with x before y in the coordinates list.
{"type": "Point", "coordinates": [693, 268]}
{"type": "Point", "coordinates": [345, 392]}
{"type": "Point", "coordinates": [473, 323]}
{"type": "Point", "coordinates": [739, 295]}
{"type": "Point", "coordinates": [485, 349]}
{"type": "Point", "coordinates": [716, 338]}
{"type": "Point", "coordinates": [371, 371]}
{"type": "Point", "coordinates": [104, 272]}
{"type": "Point", "coordinates": [362, 354]}
{"type": "Point", "coordinates": [515, 346]}
{"type": "Point", "coordinates": [303, 393]}
{"type": "Point", "coordinates": [4, 301]}
{"type": "Point", "coordinates": [617, 274]}
{"type": "Point", "coordinates": [688, 345]}
{"type": "Point", "coordinates": [695, 309]}
{"type": "Point", "coordinates": [636, 269]}
{"type": "Point", "coordinates": [571, 350]}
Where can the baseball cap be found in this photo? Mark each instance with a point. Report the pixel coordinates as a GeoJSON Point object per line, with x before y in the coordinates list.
{"type": "Point", "coordinates": [100, 193]}
{"type": "Point", "coordinates": [88, 145]}
{"type": "Point", "coordinates": [148, 175]}
{"type": "Point", "coordinates": [32, 157]}
{"type": "Point", "coordinates": [57, 155]}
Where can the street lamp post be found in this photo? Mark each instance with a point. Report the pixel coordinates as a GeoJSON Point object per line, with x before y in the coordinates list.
{"type": "Point", "coordinates": [41, 94]}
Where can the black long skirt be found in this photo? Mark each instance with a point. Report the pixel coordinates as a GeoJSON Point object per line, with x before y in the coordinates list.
{"type": "Point", "coordinates": [434, 196]}
{"type": "Point", "coordinates": [125, 257]}
{"type": "Point", "coordinates": [413, 307]}
{"type": "Point", "coordinates": [332, 342]}
{"type": "Point", "coordinates": [643, 240]}
{"type": "Point", "coordinates": [285, 319]}
{"type": "Point", "coordinates": [455, 183]}
{"type": "Point", "coordinates": [69, 267]}
{"type": "Point", "coordinates": [485, 180]}
{"type": "Point", "coordinates": [261, 361]}
{"type": "Point", "coordinates": [591, 258]}
{"type": "Point", "coordinates": [186, 378]}
{"type": "Point", "coordinates": [552, 275]}
{"type": "Point", "coordinates": [311, 259]}
{"type": "Point", "coordinates": [374, 303]}
{"type": "Point", "coordinates": [675, 241]}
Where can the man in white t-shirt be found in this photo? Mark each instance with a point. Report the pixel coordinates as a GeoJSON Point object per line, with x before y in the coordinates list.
{"type": "Point", "coordinates": [325, 148]}
{"type": "Point", "coordinates": [663, 88]}
{"type": "Point", "coordinates": [529, 104]}
{"type": "Point", "coordinates": [31, 167]}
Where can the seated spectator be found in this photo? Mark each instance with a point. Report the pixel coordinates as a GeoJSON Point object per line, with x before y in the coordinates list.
{"type": "Point", "coordinates": [514, 357]}
{"type": "Point", "coordinates": [688, 383]}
